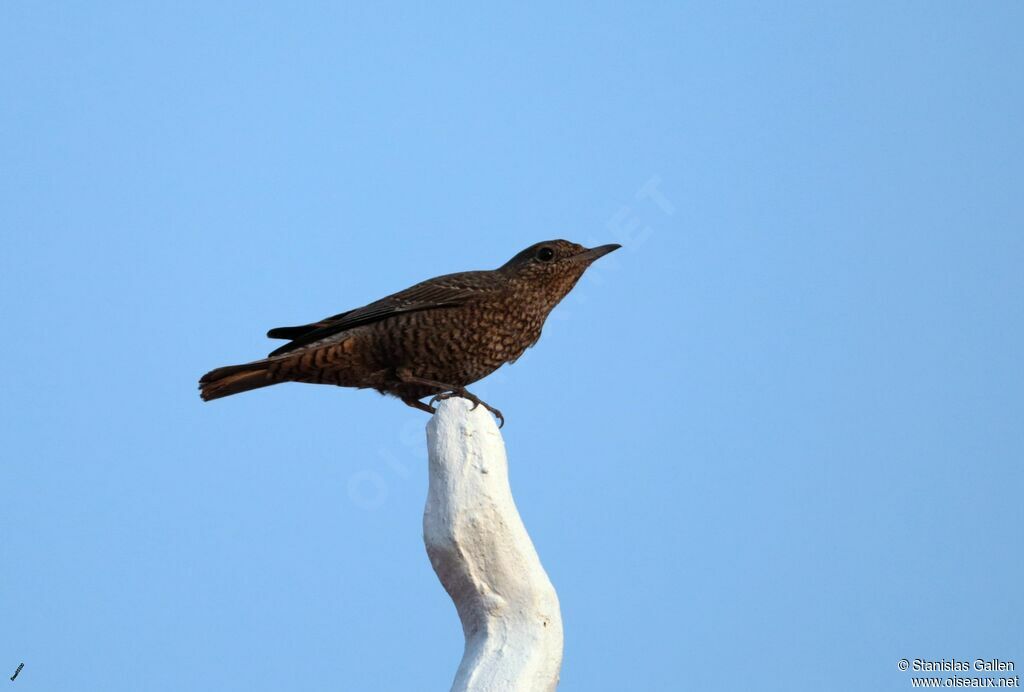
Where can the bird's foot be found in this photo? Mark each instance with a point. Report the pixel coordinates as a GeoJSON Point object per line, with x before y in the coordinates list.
{"type": "Point", "coordinates": [416, 403]}
{"type": "Point", "coordinates": [471, 397]}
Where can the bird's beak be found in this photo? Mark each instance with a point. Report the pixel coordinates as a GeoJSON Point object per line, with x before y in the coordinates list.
{"type": "Point", "coordinates": [594, 253]}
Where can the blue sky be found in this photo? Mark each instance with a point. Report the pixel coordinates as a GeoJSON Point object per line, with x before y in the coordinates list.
{"type": "Point", "coordinates": [774, 443]}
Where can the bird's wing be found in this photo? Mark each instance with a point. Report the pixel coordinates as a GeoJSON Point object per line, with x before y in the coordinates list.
{"type": "Point", "coordinates": [302, 329]}
{"type": "Point", "coordinates": [442, 292]}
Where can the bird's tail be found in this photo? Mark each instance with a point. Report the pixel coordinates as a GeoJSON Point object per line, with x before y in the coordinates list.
{"type": "Point", "coordinates": [233, 379]}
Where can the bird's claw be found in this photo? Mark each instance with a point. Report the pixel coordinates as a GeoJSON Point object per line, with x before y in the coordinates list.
{"type": "Point", "coordinates": [462, 393]}
{"type": "Point", "coordinates": [499, 416]}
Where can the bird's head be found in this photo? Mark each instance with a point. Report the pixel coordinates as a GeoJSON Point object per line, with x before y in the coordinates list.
{"type": "Point", "coordinates": [553, 266]}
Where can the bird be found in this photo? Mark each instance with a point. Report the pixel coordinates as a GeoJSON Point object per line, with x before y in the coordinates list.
{"type": "Point", "coordinates": [432, 339]}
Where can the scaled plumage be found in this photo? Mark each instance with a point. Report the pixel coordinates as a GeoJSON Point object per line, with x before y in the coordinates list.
{"type": "Point", "coordinates": [434, 338]}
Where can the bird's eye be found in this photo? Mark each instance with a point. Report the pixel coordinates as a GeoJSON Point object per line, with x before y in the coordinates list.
{"type": "Point", "coordinates": [545, 254]}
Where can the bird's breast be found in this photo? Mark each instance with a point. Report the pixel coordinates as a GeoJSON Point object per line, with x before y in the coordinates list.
{"type": "Point", "coordinates": [462, 344]}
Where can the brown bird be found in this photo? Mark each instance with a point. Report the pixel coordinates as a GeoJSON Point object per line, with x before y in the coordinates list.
{"type": "Point", "coordinates": [434, 338]}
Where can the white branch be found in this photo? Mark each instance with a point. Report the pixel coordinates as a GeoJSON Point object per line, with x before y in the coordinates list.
{"type": "Point", "coordinates": [484, 558]}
